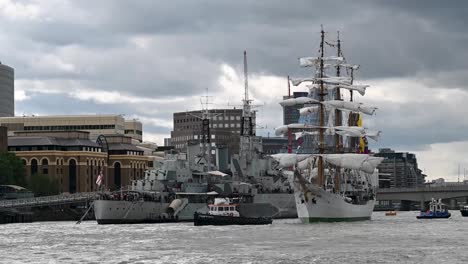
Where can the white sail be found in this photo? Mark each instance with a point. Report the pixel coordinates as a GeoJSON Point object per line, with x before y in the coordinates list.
{"type": "Point", "coordinates": [298, 135]}
{"type": "Point", "coordinates": [356, 131]}
{"type": "Point", "coordinates": [350, 106]}
{"type": "Point", "coordinates": [288, 160]}
{"type": "Point", "coordinates": [351, 131]}
{"type": "Point", "coordinates": [338, 80]}
{"type": "Point", "coordinates": [307, 110]}
{"type": "Point", "coordinates": [297, 101]}
{"type": "Point", "coordinates": [359, 88]}
{"type": "Point", "coordinates": [350, 66]}
{"type": "Point", "coordinates": [296, 82]}
{"type": "Point", "coordinates": [304, 164]}
{"type": "Point", "coordinates": [326, 80]}
{"type": "Point", "coordinates": [373, 134]}
{"type": "Point", "coordinates": [281, 130]}
{"type": "Point", "coordinates": [361, 162]}
{"type": "Point", "coordinates": [312, 61]}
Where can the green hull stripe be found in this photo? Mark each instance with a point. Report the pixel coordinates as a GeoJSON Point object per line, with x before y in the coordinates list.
{"type": "Point", "coordinates": [324, 219]}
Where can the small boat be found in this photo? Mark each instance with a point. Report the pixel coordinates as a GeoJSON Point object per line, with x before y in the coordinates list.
{"type": "Point", "coordinates": [225, 212]}
{"type": "Point", "coordinates": [437, 210]}
{"type": "Point", "coordinates": [464, 210]}
{"type": "Point", "coordinates": [390, 213]}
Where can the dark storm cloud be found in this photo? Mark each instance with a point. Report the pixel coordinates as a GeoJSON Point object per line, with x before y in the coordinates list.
{"type": "Point", "coordinates": [395, 40]}
{"type": "Point", "coordinates": [162, 49]}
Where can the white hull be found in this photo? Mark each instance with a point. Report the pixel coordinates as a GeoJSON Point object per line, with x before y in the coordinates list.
{"type": "Point", "coordinates": [330, 207]}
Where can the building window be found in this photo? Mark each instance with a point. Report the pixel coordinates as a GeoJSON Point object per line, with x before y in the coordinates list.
{"type": "Point", "coordinates": [45, 166]}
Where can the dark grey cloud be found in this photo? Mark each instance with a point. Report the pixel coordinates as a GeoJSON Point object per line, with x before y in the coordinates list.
{"type": "Point", "coordinates": [388, 40]}
{"type": "Point", "coordinates": [93, 43]}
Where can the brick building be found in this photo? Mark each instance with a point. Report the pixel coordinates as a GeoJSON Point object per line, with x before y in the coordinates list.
{"type": "Point", "coordinates": [75, 160]}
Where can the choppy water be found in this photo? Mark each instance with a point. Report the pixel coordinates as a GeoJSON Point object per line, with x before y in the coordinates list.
{"type": "Point", "coordinates": [385, 239]}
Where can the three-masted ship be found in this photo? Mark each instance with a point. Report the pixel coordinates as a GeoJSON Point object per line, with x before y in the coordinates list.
{"type": "Point", "coordinates": [333, 175]}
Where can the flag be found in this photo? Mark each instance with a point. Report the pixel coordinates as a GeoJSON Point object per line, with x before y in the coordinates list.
{"type": "Point", "coordinates": [99, 179]}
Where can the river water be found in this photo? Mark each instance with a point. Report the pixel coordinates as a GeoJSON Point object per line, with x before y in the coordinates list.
{"type": "Point", "coordinates": [384, 239]}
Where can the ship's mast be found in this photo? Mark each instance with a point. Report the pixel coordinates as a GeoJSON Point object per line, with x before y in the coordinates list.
{"type": "Point", "coordinates": [338, 117]}
{"type": "Point", "coordinates": [353, 118]}
{"type": "Point", "coordinates": [322, 114]}
{"type": "Point", "coordinates": [246, 79]}
{"type": "Point", "coordinates": [289, 130]}
{"type": "Point", "coordinates": [206, 135]}
{"type": "Point", "coordinates": [247, 128]}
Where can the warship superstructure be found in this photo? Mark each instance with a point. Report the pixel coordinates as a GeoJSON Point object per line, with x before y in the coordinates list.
{"type": "Point", "coordinates": [251, 165]}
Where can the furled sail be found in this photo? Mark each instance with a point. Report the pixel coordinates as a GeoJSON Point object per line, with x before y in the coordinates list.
{"type": "Point", "coordinates": [361, 89]}
{"type": "Point", "coordinates": [361, 162]}
{"type": "Point", "coordinates": [337, 80]}
{"type": "Point", "coordinates": [326, 80]}
{"type": "Point", "coordinates": [350, 131]}
{"type": "Point", "coordinates": [296, 82]}
{"type": "Point", "coordinates": [303, 133]}
{"type": "Point", "coordinates": [289, 160]}
{"type": "Point", "coordinates": [373, 134]}
{"type": "Point", "coordinates": [308, 110]}
{"type": "Point", "coordinates": [350, 66]}
{"type": "Point", "coordinates": [298, 101]}
{"type": "Point", "coordinates": [281, 130]}
{"type": "Point", "coordinates": [305, 164]}
{"type": "Point", "coordinates": [312, 61]}
{"type": "Point", "coordinates": [350, 106]}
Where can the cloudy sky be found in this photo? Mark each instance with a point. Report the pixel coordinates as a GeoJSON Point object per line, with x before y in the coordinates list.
{"type": "Point", "coordinates": [148, 59]}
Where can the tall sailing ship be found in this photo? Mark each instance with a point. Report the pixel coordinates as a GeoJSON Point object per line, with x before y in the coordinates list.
{"type": "Point", "coordinates": [333, 175]}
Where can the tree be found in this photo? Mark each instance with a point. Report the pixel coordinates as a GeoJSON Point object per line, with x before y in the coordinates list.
{"type": "Point", "coordinates": [42, 185]}
{"type": "Point", "coordinates": [12, 169]}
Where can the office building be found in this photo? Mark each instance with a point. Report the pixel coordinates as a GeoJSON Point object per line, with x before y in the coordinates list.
{"type": "Point", "coordinates": [94, 124]}
{"type": "Point", "coordinates": [399, 169]}
{"type": "Point", "coordinates": [291, 113]}
{"type": "Point", "coordinates": [7, 91]}
{"type": "Point", "coordinates": [225, 127]}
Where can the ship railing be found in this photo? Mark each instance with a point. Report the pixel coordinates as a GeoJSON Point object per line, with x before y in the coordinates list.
{"type": "Point", "coordinates": [47, 200]}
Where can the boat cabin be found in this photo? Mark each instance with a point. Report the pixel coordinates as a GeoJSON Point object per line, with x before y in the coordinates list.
{"type": "Point", "coordinates": [223, 207]}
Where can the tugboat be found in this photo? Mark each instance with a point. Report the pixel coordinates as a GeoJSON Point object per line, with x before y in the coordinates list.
{"type": "Point", "coordinates": [224, 211]}
{"type": "Point", "coordinates": [464, 210]}
{"type": "Point", "coordinates": [437, 210]}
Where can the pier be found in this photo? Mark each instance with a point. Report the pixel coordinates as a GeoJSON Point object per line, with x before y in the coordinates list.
{"type": "Point", "coordinates": [52, 200]}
